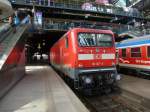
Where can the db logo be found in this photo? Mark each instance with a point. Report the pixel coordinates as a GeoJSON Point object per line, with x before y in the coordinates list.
{"type": "Point", "coordinates": [97, 56]}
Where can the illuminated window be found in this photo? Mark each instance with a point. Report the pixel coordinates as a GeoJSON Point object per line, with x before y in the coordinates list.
{"type": "Point", "coordinates": [136, 52]}
{"type": "Point", "coordinates": [124, 53]}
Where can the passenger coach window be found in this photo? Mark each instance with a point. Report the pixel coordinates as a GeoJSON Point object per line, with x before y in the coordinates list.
{"type": "Point", "coordinates": [136, 52]}
{"type": "Point", "coordinates": [67, 44]}
{"type": "Point", "coordinates": [148, 51]}
{"type": "Point", "coordinates": [124, 53]}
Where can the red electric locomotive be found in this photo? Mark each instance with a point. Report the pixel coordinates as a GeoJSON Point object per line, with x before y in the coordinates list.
{"type": "Point", "coordinates": [87, 56]}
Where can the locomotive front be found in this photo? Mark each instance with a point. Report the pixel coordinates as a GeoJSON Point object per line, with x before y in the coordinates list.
{"type": "Point", "coordinates": [96, 65]}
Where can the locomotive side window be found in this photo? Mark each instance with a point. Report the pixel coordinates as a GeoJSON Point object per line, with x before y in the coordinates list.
{"type": "Point", "coordinates": [87, 39]}
{"type": "Point", "coordinates": [124, 54]}
{"type": "Point", "coordinates": [136, 52]}
{"type": "Point", "coordinates": [148, 51]}
{"type": "Point", "coordinates": [67, 44]}
{"type": "Point", "coordinates": [104, 40]}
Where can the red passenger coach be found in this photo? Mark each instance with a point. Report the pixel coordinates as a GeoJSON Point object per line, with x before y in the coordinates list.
{"type": "Point", "coordinates": [134, 55]}
{"type": "Point", "coordinates": [87, 56]}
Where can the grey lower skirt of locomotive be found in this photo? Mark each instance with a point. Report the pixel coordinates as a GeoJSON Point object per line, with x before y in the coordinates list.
{"type": "Point", "coordinates": [93, 79]}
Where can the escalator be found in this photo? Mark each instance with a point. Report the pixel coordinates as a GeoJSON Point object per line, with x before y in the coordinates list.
{"type": "Point", "coordinates": [12, 57]}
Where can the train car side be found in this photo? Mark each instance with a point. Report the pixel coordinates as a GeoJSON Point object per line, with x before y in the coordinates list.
{"type": "Point", "coordinates": [135, 56]}
{"type": "Point", "coordinates": [63, 55]}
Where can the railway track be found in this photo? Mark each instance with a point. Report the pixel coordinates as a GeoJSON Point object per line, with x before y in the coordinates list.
{"type": "Point", "coordinates": [111, 103]}
{"type": "Point", "coordinates": [114, 102]}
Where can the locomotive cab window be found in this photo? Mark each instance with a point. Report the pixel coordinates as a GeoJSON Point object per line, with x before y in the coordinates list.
{"type": "Point", "coordinates": [87, 39]}
{"type": "Point", "coordinates": [148, 51]}
{"type": "Point", "coordinates": [124, 54]}
{"type": "Point", "coordinates": [136, 52]}
{"type": "Point", "coordinates": [66, 42]}
{"type": "Point", "coordinates": [91, 39]}
{"type": "Point", "coordinates": [104, 40]}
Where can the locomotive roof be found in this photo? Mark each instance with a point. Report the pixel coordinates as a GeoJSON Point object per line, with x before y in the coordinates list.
{"type": "Point", "coordinates": [94, 30]}
{"type": "Point", "coordinates": [138, 41]}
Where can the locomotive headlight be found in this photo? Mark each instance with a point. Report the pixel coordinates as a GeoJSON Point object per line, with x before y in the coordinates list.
{"type": "Point", "coordinates": [88, 80]}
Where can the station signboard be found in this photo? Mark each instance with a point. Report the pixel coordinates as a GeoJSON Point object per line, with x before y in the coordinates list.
{"type": "Point", "coordinates": [38, 19]}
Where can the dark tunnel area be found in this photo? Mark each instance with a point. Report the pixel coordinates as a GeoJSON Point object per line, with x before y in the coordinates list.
{"type": "Point", "coordinates": [38, 46]}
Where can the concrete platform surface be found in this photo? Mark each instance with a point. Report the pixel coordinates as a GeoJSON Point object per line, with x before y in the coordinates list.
{"type": "Point", "coordinates": [136, 85]}
{"type": "Point", "coordinates": [42, 90]}
{"type": "Point", "coordinates": [136, 89]}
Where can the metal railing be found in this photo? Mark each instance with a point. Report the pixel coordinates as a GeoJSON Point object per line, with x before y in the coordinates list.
{"type": "Point", "coordinates": [138, 32]}
{"type": "Point", "coordinates": [53, 24]}
{"type": "Point", "coordinates": [65, 25]}
{"type": "Point", "coordinates": [84, 6]}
